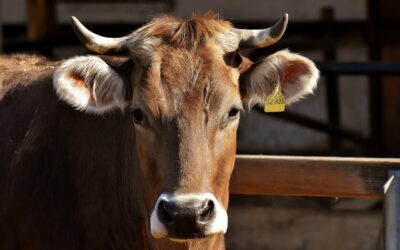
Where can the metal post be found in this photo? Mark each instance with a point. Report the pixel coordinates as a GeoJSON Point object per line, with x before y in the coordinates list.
{"type": "Point", "coordinates": [392, 211]}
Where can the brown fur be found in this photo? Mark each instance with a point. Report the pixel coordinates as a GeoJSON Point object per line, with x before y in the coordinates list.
{"type": "Point", "coordinates": [190, 33]}
{"type": "Point", "coordinates": [22, 70]}
{"type": "Point", "coordinates": [86, 162]}
{"type": "Point", "coordinates": [50, 137]}
{"type": "Point", "coordinates": [186, 141]}
{"type": "Point", "coordinates": [71, 180]}
{"type": "Point", "coordinates": [179, 135]}
{"type": "Point", "coordinates": [56, 188]}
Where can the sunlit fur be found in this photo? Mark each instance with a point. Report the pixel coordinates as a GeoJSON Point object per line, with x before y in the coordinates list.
{"type": "Point", "coordinates": [296, 75]}
{"type": "Point", "coordinates": [89, 84]}
{"type": "Point", "coordinates": [191, 34]}
{"type": "Point", "coordinates": [72, 180]}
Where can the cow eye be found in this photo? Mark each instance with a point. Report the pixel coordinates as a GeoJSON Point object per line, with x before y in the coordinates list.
{"type": "Point", "coordinates": [231, 116]}
{"type": "Point", "coordinates": [138, 116]}
{"type": "Point", "coordinates": [234, 112]}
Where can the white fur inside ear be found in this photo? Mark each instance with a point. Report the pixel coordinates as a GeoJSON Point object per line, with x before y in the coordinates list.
{"type": "Point", "coordinates": [305, 82]}
{"type": "Point", "coordinates": [89, 84]}
{"type": "Point", "coordinates": [276, 69]}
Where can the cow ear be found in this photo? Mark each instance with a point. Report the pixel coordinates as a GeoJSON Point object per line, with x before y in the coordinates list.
{"type": "Point", "coordinates": [296, 75]}
{"type": "Point", "coordinates": [93, 84]}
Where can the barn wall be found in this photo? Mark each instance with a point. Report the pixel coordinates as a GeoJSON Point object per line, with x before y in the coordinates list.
{"type": "Point", "coordinates": [391, 53]}
{"type": "Point", "coordinates": [14, 10]}
{"type": "Point", "coordinates": [280, 228]}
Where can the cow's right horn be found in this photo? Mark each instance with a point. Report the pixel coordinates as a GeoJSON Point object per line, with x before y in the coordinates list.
{"type": "Point", "coordinates": [96, 43]}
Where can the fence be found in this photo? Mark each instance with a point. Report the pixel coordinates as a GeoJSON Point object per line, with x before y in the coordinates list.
{"type": "Point", "coordinates": [327, 177]}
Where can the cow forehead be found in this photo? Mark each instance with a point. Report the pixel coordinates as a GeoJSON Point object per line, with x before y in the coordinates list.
{"type": "Point", "coordinates": [178, 79]}
{"type": "Point", "coordinates": [190, 34]}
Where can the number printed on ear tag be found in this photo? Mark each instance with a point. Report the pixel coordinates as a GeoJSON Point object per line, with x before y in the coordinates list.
{"type": "Point", "coordinates": [275, 102]}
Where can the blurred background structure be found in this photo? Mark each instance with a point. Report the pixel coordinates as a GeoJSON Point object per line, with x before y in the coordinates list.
{"type": "Point", "coordinates": [354, 112]}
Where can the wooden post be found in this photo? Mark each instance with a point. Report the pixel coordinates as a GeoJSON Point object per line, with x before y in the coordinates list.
{"type": "Point", "coordinates": [392, 211]}
{"type": "Point", "coordinates": [41, 23]}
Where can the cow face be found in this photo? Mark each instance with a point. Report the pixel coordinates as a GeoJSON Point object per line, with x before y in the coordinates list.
{"type": "Point", "coordinates": [184, 84]}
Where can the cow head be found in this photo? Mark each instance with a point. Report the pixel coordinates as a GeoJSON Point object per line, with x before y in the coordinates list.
{"type": "Point", "coordinates": [184, 82]}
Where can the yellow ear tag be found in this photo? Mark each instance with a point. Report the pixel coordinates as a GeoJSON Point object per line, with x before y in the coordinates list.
{"type": "Point", "coordinates": [276, 101]}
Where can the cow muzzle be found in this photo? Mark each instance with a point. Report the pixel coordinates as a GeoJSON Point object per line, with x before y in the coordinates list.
{"type": "Point", "coordinates": [187, 216]}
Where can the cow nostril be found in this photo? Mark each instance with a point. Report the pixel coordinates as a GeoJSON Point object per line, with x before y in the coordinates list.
{"type": "Point", "coordinates": [164, 213]}
{"type": "Point", "coordinates": [208, 211]}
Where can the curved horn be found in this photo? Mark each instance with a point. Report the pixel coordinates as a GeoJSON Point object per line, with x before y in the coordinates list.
{"type": "Point", "coordinates": [265, 37]}
{"type": "Point", "coordinates": [96, 43]}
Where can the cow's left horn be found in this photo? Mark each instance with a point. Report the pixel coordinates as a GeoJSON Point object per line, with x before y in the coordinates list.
{"type": "Point", "coordinates": [265, 37]}
{"type": "Point", "coordinates": [96, 43]}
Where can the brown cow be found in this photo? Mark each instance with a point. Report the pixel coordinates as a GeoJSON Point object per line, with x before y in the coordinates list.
{"type": "Point", "coordinates": [134, 152]}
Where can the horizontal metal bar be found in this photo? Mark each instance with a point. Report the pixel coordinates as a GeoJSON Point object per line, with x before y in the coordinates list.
{"type": "Point", "coordinates": [311, 176]}
{"type": "Point", "coordinates": [359, 68]}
